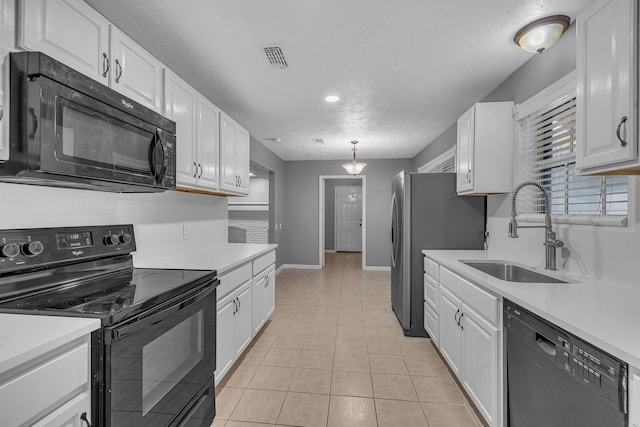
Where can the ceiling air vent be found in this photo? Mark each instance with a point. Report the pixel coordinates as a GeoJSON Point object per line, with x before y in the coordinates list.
{"type": "Point", "coordinates": [275, 56]}
{"type": "Point", "coordinates": [272, 139]}
{"type": "Point", "coordinates": [317, 140]}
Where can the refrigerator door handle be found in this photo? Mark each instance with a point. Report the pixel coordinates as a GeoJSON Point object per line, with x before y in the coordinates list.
{"type": "Point", "coordinates": [394, 229]}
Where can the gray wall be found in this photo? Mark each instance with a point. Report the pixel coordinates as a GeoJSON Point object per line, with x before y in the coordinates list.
{"type": "Point", "coordinates": [266, 158]}
{"type": "Point", "coordinates": [536, 74]}
{"type": "Point", "coordinates": [330, 208]}
{"type": "Point", "coordinates": [302, 211]}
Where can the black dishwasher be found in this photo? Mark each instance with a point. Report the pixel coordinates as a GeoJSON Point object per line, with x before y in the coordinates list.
{"type": "Point", "coordinates": [556, 379]}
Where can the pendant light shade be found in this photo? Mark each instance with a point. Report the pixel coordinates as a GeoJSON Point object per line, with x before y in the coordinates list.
{"type": "Point", "coordinates": [541, 34]}
{"type": "Point", "coordinates": [354, 168]}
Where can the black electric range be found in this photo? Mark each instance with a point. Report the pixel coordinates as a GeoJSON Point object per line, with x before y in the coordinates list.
{"type": "Point", "coordinates": [150, 318]}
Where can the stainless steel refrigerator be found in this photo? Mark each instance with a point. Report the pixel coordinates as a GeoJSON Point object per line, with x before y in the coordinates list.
{"type": "Point", "coordinates": [427, 213]}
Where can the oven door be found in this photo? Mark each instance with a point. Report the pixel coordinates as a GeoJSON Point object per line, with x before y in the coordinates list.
{"type": "Point", "coordinates": [77, 135]}
{"type": "Point", "coordinates": [159, 367]}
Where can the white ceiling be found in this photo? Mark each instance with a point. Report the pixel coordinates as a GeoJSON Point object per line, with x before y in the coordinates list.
{"type": "Point", "coordinates": [404, 70]}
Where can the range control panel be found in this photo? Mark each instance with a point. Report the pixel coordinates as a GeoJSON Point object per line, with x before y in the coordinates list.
{"type": "Point", "coordinates": [31, 248]}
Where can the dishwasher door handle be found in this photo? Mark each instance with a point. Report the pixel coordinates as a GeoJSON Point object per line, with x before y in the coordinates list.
{"type": "Point", "coordinates": [545, 344]}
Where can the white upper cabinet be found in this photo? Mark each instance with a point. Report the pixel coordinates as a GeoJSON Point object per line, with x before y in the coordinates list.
{"type": "Point", "coordinates": [234, 156]}
{"type": "Point", "coordinates": [5, 33]}
{"type": "Point", "coordinates": [70, 31]}
{"type": "Point", "coordinates": [135, 73]}
{"type": "Point", "coordinates": [607, 115]}
{"type": "Point", "coordinates": [180, 104]}
{"type": "Point", "coordinates": [75, 34]}
{"type": "Point", "coordinates": [208, 142]}
{"type": "Point", "coordinates": [484, 149]}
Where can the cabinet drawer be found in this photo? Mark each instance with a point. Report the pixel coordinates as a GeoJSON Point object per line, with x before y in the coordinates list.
{"type": "Point", "coordinates": [432, 269]}
{"type": "Point", "coordinates": [47, 385]}
{"type": "Point", "coordinates": [233, 279]}
{"type": "Point", "coordinates": [431, 324]}
{"type": "Point", "coordinates": [486, 304]}
{"type": "Point", "coordinates": [263, 262]}
{"type": "Point", "coordinates": [431, 289]}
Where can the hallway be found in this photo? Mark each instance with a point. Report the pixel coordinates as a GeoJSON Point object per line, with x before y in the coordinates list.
{"type": "Point", "coordinates": [333, 355]}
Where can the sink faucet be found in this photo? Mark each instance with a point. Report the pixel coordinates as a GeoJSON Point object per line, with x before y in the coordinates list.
{"type": "Point", "coordinates": [550, 241]}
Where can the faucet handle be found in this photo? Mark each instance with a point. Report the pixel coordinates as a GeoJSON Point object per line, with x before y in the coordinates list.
{"type": "Point", "coordinates": [556, 243]}
{"type": "Point", "coordinates": [513, 228]}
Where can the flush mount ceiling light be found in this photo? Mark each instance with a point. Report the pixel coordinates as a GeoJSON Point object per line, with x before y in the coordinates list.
{"type": "Point", "coordinates": [541, 34]}
{"type": "Point", "coordinates": [354, 168]}
{"type": "Point", "coordinates": [332, 98]}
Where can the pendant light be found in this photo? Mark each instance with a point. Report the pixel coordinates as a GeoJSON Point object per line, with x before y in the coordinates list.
{"type": "Point", "coordinates": [541, 34]}
{"type": "Point", "coordinates": [354, 168]}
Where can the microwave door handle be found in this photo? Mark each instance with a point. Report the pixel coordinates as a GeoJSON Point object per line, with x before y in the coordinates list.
{"type": "Point", "coordinates": [121, 332]}
{"type": "Point", "coordinates": [34, 123]}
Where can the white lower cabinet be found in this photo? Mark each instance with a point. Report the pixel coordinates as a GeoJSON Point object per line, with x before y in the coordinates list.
{"type": "Point", "coordinates": [263, 297]}
{"type": "Point", "coordinates": [234, 328]}
{"type": "Point", "coordinates": [470, 342]}
{"type": "Point", "coordinates": [51, 390]}
{"type": "Point", "coordinates": [634, 397]}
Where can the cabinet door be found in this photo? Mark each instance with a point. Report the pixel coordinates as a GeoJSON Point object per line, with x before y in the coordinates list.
{"type": "Point", "coordinates": [480, 362]}
{"type": "Point", "coordinates": [244, 318]}
{"type": "Point", "coordinates": [431, 324]}
{"type": "Point", "coordinates": [259, 289]}
{"type": "Point", "coordinates": [634, 397]}
{"type": "Point", "coordinates": [5, 34]}
{"type": "Point", "coordinates": [242, 160]}
{"type": "Point", "coordinates": [270, 294]}
{"type": "Point", "coordinates": [607, 76]}
{"type": "Point", "coordinates": [70, 414]}
{"type": "Point", "coordinates": [225, 336]}
{"type": "Point", "coordinates": [450, 332]}
{"type": "Point", "coordinates": [228, 135]}
{"type": "Point", "coordinates": [464, 151]}
{"type": "Point", "coordinates": [180, 106]}
{"type": "Point", "coordinates": [135, 73]}
{"type": "Point", "coordinates": [208, 138]}
{"type": "Point", "coordinates": [70, 31]}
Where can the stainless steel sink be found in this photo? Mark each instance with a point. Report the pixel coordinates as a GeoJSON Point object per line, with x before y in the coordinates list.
{"type": "Point", "coordinates": [505, 270]}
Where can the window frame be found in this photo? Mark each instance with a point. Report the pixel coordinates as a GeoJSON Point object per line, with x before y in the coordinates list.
{"type": "Point", "coordinates": [542, 99]}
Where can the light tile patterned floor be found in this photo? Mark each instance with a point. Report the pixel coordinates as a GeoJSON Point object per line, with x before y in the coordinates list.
{"type": "Point", "coordinates": [334, 355]}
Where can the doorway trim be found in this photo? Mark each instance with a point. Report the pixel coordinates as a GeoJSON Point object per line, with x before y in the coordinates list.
{"type": "Point", "coordinates": [321, 191]}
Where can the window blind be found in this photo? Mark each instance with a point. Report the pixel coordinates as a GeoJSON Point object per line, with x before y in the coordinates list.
{"type": "Point", "coordinates": [547, 145]}
{"type": "Point", "coordinates": [446, 166]}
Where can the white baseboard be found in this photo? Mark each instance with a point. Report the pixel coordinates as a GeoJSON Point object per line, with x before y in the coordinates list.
{"type": "Point", "coordinates": [302, 266]}
{"type": "Point", "coordinates": [279, 269]}
{"type": "Point", "coordinates": [376, 268]}
{"type": "Point", "coordinates": [330, 251]}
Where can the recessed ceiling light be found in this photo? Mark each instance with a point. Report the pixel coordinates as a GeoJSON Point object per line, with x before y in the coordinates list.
{"type": "Point", "coordinates": [332, 98]}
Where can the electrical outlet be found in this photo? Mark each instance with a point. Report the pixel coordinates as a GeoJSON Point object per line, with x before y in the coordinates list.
{"type": "Point", "coordinates": [185, 232]}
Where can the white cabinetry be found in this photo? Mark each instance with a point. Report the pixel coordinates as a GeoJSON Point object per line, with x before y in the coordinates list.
{"type": "Point", "coordinates": [264, 283]}
{"type": "Point", "coordinates": [6, 34]}
{"type": "Point", "coordinates": [234, 156]}
{"type": "Point", "coordinates": [234, 324]}
{"type": "Point", "coordinates": [607, 71]}
{"type": "Point", "coordinates": [484, 150]}
{"type": "Point", "coordinates": [52, 389]}
{"type": "Point", "coordinates": [135, 72]}
{"type": "Point", "coordinates": [634, 397]}
{"type": "Point", "coordinates": [470, 341]}
{"type": "Point", "coordinates": [431, 299]}
{"type": "Point", "coordinates": [70, 31]}
{"type": "Point", "coordinates": [75, 34]}
{"type": "Point", "coordinates": [196, 133]}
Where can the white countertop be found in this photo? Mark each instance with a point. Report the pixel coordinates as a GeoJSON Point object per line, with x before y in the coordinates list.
{"type": "Point", "coordinates": [605, 314]}
{"type": "Point", "coordinates": [24, 337]}
{"type": "Point", "coordinates": [221, 257]}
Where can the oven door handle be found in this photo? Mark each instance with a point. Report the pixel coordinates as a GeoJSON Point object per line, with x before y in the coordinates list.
{"type": "Point", "coordinates": [144, 320]}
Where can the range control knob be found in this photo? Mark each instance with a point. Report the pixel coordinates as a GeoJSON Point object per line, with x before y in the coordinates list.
{"type": "Point", "coordinates": [111, 240]}
{"type": "Point", "coordinates": [32, 248]}
{"type": "Point", "coordinates": [10, 250]}
{"type": "Point", "coordinates": [125, 238]}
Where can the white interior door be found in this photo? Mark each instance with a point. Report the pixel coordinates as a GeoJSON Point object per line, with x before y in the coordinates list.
{"type": "Point", "coordinates": [348, 214]}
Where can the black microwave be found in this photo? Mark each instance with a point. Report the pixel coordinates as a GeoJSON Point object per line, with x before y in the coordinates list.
{"type": "Point", "coordinates": [67, 130]}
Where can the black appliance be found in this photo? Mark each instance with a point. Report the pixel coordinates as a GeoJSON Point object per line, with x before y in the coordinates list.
{"type": "Point", "coordinates": [427, 213]}
{"type": "Point", "coordinates": [556, 379]}
{"type": "Point", "coordinates": [153, 358]}
{"type": "Point", "coordinates": [67, 130]}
